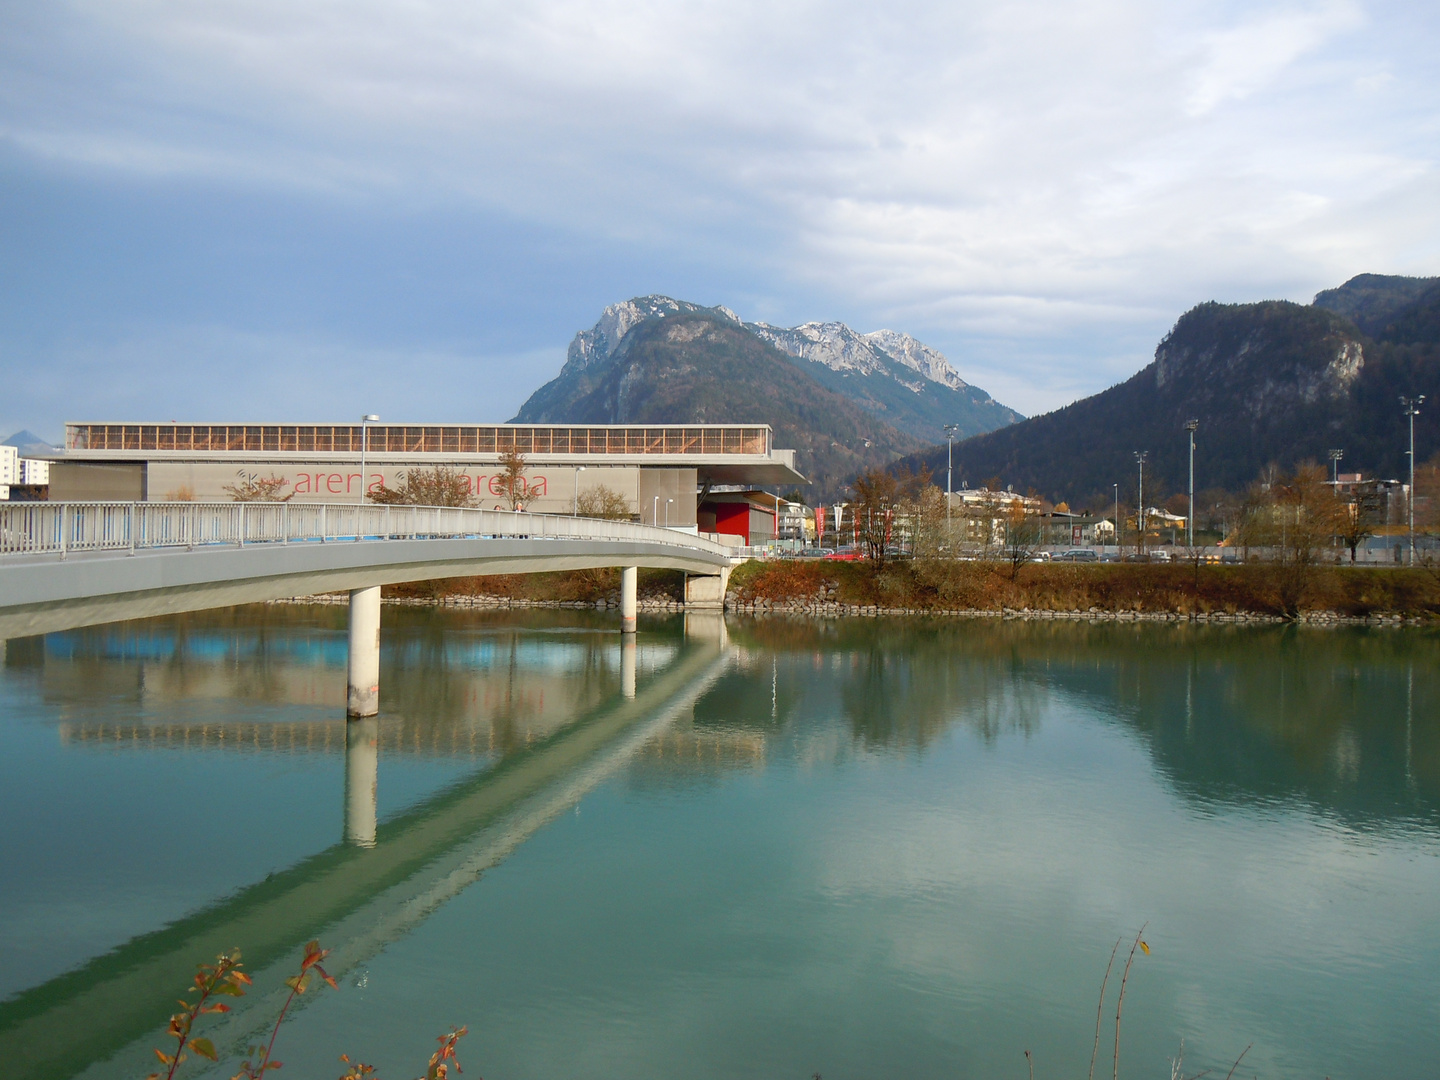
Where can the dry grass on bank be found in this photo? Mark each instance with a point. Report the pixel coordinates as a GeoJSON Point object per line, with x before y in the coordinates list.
{"type": "Point", "coordinates": [1180, 588]}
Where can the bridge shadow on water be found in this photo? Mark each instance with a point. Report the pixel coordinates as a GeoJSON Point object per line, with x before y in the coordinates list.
{"type": "Point", "coordinates": [365, 891]}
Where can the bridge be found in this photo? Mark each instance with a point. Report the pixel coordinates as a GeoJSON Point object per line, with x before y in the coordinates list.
{"type": "Point", "coordinates": [67, 565]}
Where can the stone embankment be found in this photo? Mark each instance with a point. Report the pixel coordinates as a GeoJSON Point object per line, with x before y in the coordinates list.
{"type": "Point", "coordinates": [828, 607]}
{"type": "Point", "coordinates": [612, 603]}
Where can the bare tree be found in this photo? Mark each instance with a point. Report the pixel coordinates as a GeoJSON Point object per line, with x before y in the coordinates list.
{"type": "Point", "coordinates": [511, 481]}
{"type": "Point", "coordinates": [876, 495]}
{"type": "Point", "coordinates": [440, 486]}
{"type": "Point", "coordinates": [1022, 536]}
{"type": "Point", "coordinates": [603, 502]}
{"type": "Point", "coordinates": [253, 488]}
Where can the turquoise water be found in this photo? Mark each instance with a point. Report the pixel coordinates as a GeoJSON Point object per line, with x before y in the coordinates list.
{"type": "Point", "coordinates": [857, 848]}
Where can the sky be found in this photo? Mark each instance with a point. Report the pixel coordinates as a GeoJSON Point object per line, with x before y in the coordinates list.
{"type": "Point", "coordinates": [292, 210]}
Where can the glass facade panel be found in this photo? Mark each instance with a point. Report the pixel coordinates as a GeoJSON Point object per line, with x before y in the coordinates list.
{"type": "Point", "coordinates": [460, 439]}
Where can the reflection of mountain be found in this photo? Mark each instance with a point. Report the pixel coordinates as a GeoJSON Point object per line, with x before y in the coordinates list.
{"type": "Point", "coordinates": [1346, 721]}
{"type": "Point", "coordinates": [372, 894]}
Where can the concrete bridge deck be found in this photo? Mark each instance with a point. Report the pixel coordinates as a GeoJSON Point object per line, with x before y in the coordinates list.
{"type": "Point", "coordinates": [65, 565]}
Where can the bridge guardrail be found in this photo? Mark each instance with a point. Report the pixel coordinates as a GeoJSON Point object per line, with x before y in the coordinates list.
{"type": "Point", "coordinates": [41, 528]}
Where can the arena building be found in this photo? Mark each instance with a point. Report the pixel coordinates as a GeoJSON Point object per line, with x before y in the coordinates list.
{"type": "Point", "coordinates": [664, 473]}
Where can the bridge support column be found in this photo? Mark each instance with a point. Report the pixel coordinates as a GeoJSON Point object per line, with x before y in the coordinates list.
{"type": "Point", "coordinates": [362, 766]}
{"type": "Point", "coordinates": [706, 592]}
{"type": "Point", "coordinates": [363, 694]}
{"type": "Point", "coordinates": [629, 579]}
{"type": "Point", "coordinates": [627, 667]}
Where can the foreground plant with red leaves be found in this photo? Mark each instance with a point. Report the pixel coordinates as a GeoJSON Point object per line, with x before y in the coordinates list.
{"type": "Point", "coordinates": [225, 979]}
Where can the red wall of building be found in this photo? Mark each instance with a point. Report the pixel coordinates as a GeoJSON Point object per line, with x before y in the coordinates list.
{"type": "Point", "coordinates": [733, 519]}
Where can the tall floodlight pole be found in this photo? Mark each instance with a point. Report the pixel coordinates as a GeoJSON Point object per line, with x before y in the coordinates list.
{"type": "Point", "coordinates": [950, 430]}
{"type": "Point", "coordinates": [1117, 521]}
{"type": "Point", "coordinates": [1335, 456]}
{"type": "Point", "coordinates": [1412, 407]}
{"type": "Point", "coordinates": [365, 422]}
{"type": "Point", "coordinates": [1190, 426]}
{"type": "Point", "coordinates": [1140, 456]}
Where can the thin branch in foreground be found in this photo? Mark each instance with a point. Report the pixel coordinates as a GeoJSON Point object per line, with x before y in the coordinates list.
{"type": "Point", "coordinates": [1237, 1061]}
{"type": "Point", "coordinates": [1120, 1001]}
{"type": "Point", "coordinates": [1100, 1007]}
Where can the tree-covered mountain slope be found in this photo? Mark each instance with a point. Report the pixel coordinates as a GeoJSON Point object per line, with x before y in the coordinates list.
{"type": "Point", "coordinates": [1272, 382]}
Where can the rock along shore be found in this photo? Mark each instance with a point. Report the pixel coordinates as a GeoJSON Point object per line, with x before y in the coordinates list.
{"type": "Point", "coordinates": [829, 608]}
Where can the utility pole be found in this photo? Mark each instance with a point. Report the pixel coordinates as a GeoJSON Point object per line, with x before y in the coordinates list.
{"type": "Point", "coordinates": [365, 422]}
{"type": "Point", "coordinates": [1190, 426]}
{"type": "Point", "coordinates": [950, 430]}
{"type": "Point", "coordinates": [1140, 456]}
{"type": "Point", "coordinates": [1412, 407]}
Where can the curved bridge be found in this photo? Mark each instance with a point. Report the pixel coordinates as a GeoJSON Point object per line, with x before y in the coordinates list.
{"type": "Point", "coordinates": [66, 565]}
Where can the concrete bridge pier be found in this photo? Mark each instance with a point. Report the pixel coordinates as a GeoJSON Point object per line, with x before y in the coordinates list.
{"type": "Point", "coordinates": [363, 692]}
{"type": "Point", "coordinates": [706, 592]}
{"type": "Point", "coordinates": [627, 667]}
{"type": "Point", "coordinates": [362, 768]}
{"type": "Point", "coordinates": [629, 579]}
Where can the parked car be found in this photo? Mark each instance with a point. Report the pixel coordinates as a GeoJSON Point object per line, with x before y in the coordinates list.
{"type": "Point", "coordinates": [848, 553]}
{"type": "Point", "coordinates": [1077, 555]}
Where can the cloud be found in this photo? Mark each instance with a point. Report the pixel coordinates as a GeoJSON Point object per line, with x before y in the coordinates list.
{"type": "Point", "coordinates": [1045, 173]}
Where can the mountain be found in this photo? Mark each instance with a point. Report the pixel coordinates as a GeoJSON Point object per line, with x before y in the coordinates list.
{"type": "Point", "coordinates": [1272, 382]}
{"type": "Point", "coordinates": [29, 444]}
{"type": "Point", "coordinates": [892, 376]}
{"type": "Point", "coordinates": [1372, 301]}
{"type": "Point", "coordinates": [662, 361]}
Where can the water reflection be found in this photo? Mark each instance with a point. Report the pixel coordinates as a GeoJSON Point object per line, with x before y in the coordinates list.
{"type": "Point", "coordinates": [536, 710]}
{"type": "Point", "coordinates": [1347, 720]}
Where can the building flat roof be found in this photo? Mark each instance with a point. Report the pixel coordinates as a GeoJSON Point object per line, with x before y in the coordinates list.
{"type": "Point", "coordinates": [723, 453]}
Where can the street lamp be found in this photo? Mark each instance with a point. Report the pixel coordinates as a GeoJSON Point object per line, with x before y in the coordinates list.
{"type": "Point", "coordinates": [1190, 426]}
{"type": "Point", "coordinates": [575, 507]}
{"type": "Point", "coordinates": [1117, 519]}
{"type": "Point", "coordinates": [667, 512]}
{"type": "Point", "coordinates": [950, 430]}
{"type": "Point", "coordinates": [365, 422]}
{"type": "Point", "coordinates": [1140, 456]}
{"type": "Point", "coordinates": [1412, 407]}
{"type": "Point", "coordinates": [655, 511]}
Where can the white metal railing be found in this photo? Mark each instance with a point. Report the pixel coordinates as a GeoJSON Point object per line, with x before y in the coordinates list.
{"type": "Point", "coordinates": [41, 528]}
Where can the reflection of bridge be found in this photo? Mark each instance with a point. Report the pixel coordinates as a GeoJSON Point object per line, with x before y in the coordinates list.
{"type": "Point", "coordinates": [393, 737]}
{"type": "Point", "coordinates": [65, 565]}
{"type": "Point", "coordinates": [359, 895]}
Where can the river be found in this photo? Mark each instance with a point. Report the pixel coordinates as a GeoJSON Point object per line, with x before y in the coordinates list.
{"type": "Point", "coordinates": [775, 848]}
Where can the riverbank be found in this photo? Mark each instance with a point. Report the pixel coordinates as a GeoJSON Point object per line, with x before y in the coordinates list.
{"type": "Point", "coordinates": [1125, 592]}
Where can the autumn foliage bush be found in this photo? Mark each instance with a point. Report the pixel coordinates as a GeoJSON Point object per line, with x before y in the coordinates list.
{"type": "Point", "coordinates": [1176, 587]}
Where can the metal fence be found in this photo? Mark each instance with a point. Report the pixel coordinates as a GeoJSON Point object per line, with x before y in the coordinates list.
{"type": "Point", "coordinates": [60, 528]}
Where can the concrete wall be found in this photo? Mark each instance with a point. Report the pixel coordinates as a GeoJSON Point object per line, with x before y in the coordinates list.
{"type": "Point", "coordinates": [94, 482]}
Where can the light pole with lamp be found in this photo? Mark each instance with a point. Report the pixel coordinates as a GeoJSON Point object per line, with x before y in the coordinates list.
{"type": "Point", "coordinates": [1140, 456]}
{"type": "Point", "coordinates": [667, 512]}
{"type": "Point", "coordinates": [1190, 426]}
{"type": "Point", "coordinates": [655, 511]}
{"type": "Point", "coordinates": [1335, 456]}
{"type": "Point", "coordinates": [950, 430]}
{"type": "Point", "coordinates": [575, 507]}
{"type": "Point", "coordinates": [1412, 407]}
{"type": "Point", "coordinates": [1117, 519]}
{"type": "Point", "coordinates": [365, 422]}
